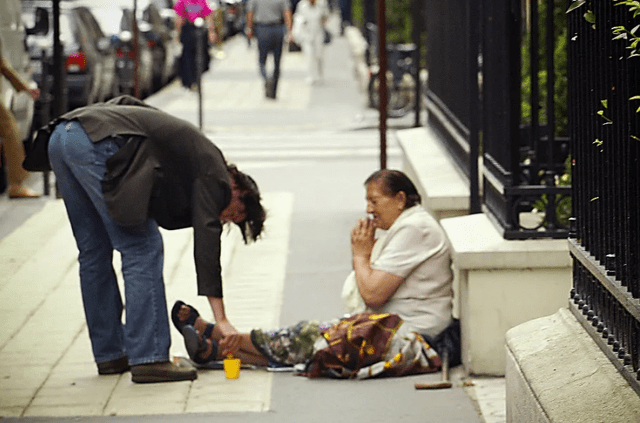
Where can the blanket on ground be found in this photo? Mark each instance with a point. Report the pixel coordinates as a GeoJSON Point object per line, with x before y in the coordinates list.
{"type": "Point", "coordinates": [361, 346]}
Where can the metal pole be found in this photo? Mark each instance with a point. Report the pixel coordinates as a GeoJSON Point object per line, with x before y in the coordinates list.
{"type": "Point", "coordinates": [475, 22]}
{"type": "Point", "coordinates": [136, 52]}
{"type": "Point", "coordinates": [59, 95]}
{"type": "Point", "coordinates": [199, 24]}
{"type": "Point", "coordinates": [416, 35]}
{"type": "Point", "coordinates": [45, 107]}
{"type": "Point", "coordinates": [382, 78]}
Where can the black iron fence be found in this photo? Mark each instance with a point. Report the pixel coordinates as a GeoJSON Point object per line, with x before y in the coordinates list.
{"type": "Point", "coordinates": [491, 92]}
{"type": "Point", "coordinates": [605, 133]}
{"type": "Point", "coordinates": [450, 68]}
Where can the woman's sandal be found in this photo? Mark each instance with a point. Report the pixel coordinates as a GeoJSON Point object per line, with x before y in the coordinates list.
{"type": "Point", "coordinates": [197, 344]}
{"type": "Point", "coordinates": [191, 320]}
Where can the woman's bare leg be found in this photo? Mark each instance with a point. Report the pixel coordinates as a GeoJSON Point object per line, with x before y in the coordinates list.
{"type": "Point", "coordinates": [247, 353]}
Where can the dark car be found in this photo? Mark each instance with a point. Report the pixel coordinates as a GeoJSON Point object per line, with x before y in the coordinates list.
{"type": "Point", "coordinates": [173, 47]}
{"type": "Point", "coordinates": [116, 22]}
{"type": "Point", "coordinates": [163, 35]}
{"type": "Point", "coordinates": [157, 37]}
{"type": "Point", "coordinates": [88, 56]}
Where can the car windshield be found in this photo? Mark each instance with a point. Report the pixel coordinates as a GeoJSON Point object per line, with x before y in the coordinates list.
{"type": "Point", "coordinates": [66, 32]}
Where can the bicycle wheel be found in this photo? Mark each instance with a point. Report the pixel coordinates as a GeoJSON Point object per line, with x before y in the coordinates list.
{"type": "Point", "coordinates": [400, 97]}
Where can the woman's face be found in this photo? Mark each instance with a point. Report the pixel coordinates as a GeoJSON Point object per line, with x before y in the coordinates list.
{"type": "Point", "coordinates": [383, 208]}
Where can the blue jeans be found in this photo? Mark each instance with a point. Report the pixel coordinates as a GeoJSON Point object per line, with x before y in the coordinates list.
{"type": "Point", "coordinates": [79, 166]}
{"type": "Point", "coordinates": [270, 39]}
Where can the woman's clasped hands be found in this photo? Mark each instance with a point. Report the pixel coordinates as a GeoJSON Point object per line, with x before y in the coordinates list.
{"type": "Point", "coordinates": [362, 238]}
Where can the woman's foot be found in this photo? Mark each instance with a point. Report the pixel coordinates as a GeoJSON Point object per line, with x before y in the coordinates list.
{"type": "Point", "coordinates": [188, 315]}
{"type": "Point", "coordinates": [20, 191]}
{"type": "Point", "coordinates": [200, 347]}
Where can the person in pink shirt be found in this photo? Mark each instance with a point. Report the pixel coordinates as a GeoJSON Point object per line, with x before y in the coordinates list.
{"type": "Point", "coordinates": [188, 11]}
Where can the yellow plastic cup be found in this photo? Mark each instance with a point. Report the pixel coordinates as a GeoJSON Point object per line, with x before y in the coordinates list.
{"type": "Point", "coordinates": [231, 367]}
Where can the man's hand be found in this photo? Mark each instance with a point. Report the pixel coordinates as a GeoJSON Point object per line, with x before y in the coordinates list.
{"type": "Point", "coordinates": [230, 342]}
{"type": "Point", "coordinates": [228, 335]}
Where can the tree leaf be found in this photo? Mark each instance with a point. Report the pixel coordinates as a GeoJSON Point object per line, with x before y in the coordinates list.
{"type": "Point", "coordinates": [590, 17]}
{"type": "Point", "coordinates": [575, 5]}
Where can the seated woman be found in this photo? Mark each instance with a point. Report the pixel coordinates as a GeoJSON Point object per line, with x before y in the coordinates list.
{"type": "Point", "coordinates": [406, 271]}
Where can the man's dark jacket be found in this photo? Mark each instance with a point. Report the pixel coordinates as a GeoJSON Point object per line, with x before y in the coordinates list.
{"type": "Point", "coordinates": [167, 170]}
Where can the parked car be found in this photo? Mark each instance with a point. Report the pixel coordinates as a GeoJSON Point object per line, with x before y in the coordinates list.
{"type": "Point", "coordinates": [116, 23]}
{"type": "Point", "coordinates": [158, 38]}
{"type": "Point", "coordinates": [89, 61]}
{"type": "Point", "coordinates": [165, 8]}
{"type": "Point", "coordinates": [147, 51]}
{"type": "Point", "coordinates": [165, 38]}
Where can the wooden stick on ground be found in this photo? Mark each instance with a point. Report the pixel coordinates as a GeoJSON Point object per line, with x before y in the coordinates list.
{"type": "Point", "coordinates": [445, 383]}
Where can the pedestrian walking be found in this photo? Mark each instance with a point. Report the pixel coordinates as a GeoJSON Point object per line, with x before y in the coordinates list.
{"type": "Point", "coordinates": [9, 136]}
{"type": "Point", "coordinates": [309, 31]}
{"type": "Point", "coordinates": [269, 19]}
{"type": "Point", "coordinates": [124, 168]}
{"type": "Point", "coordinates": [188, 11]}
{"type": "Point", "coordinates": [345, 14]}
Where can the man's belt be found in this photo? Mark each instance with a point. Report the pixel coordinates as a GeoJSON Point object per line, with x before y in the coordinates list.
{"type": "Point", "coordinates": [270, 23]}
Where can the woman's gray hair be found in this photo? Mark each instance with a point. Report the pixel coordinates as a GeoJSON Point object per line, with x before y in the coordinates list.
{"type": "Point", "coordinates": [393, 182]}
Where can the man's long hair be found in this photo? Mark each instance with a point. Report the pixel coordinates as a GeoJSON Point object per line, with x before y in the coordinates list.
{"type": "Point", "coordinates": [252, 226]}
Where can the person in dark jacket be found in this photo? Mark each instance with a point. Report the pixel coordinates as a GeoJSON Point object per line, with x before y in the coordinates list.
{"type": "Point", "coordinates": [124, 168]}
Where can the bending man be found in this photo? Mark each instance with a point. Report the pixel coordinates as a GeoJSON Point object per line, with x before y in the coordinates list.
{"type": "Point", "coordinates": [123, 169]}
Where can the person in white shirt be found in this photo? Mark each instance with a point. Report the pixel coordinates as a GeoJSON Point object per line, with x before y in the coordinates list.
{"type": "Point", "coordinates": [405, 271]}
{"type": "Point", "coordinates": [308, 31]}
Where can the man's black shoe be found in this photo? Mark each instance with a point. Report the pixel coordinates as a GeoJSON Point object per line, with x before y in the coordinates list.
{"type": "Point", "coordinates": [113, 367]}
{"type": "Point", "coordinates": [162, 372]}
{"type": "Point", "coordinates": [270, 88]}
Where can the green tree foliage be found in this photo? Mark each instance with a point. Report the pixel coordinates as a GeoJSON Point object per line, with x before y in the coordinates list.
{"type": "Point", "coordinates": [399, 21]}
{"type": "Point", "coordinates": [560, 70]}
{"type": "Point", "coordinates": [398, 18]}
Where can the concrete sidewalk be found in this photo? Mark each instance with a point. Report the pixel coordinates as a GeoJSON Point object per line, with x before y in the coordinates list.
{"type": "Point", "coordinates": [46, 365]}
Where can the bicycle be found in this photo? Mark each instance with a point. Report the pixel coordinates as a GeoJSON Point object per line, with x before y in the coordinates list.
{"type": "Point", "coordinates": [401, 70]}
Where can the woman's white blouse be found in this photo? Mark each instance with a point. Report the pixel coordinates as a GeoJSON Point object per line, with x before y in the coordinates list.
{"type": "Point", "coordinates": [416, 248]}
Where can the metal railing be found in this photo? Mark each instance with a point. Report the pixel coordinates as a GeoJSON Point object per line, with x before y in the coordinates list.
{"type": "Point", "coordinates": [605, 131]}
{"type": "Point", "coordinates": [474, 96]}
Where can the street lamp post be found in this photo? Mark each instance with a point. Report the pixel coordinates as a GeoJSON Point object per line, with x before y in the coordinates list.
{"type": "Point", "coordinates": [136, 52]}
{"type": "Point", "coordinates": [59, 82]}
{"type": "Point", "coordinates": [382, 78]}
{"type": "Point", "coordinates": [199, 24]}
